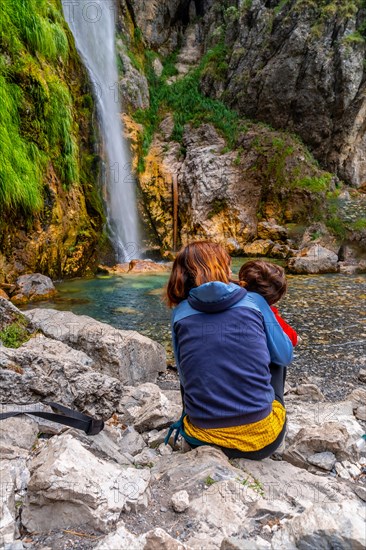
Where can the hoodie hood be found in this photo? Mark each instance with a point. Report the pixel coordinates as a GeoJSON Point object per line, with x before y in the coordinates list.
{"type": "Point", "coordinates": [215, 296]}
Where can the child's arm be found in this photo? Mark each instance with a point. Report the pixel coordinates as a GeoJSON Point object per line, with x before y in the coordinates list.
{"type": "Point", "coordinates": [287, 329]}
{"type": "Point", "coordinates": [279, 344]}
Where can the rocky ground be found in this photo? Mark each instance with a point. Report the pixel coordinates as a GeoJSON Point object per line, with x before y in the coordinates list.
{"type": "Point", "coordinates": [124, 488]}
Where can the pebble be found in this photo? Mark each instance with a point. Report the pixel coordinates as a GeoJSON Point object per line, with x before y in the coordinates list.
{"type": "Point", "coordinates": [180, 501]}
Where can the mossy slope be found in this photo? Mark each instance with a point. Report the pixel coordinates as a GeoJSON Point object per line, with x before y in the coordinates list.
{"type": "Point", "coordinates": [48, 167]}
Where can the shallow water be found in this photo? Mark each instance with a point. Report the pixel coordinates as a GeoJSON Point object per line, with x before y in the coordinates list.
{"type": "Point", "coordinates": [328, 311]}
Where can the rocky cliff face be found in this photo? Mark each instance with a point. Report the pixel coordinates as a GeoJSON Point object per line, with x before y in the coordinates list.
{"type": "Point", "coordinates": [299, 65]}
{"type": "Point", "coordinates": [295, 65]}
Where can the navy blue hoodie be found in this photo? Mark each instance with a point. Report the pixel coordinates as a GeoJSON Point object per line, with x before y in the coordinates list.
{"type": "Point", "coordinates": [224, 339]}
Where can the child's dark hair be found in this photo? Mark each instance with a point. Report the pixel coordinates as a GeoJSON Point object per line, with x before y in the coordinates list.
{"type": "Point", "coordinates": [265, 278]}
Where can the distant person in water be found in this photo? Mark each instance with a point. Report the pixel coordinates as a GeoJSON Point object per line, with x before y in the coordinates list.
{"type": "Point", "coordinates": [224, 340]}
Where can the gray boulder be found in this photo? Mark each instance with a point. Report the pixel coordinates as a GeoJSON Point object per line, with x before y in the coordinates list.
{"type": "Point", "coordinates": [33, 287]}
{"type": "Point", "coordinates": [325, 525]}
{"type": "Point", "coordinates": [122, 354]}
{"type": "Point", "coordinates": [314, 259]}
{"type": "Point", "coordinates": [45, 369]}
{"type": "Point", "coordinates": [69, 486]}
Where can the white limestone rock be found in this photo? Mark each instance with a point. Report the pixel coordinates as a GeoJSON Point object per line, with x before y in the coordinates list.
{"type": "Point", "coordinates": [69, 486]}
{"type": "Point", "coordinates": [180, 501]}
{"type": "Point", "coordinates": [122, 354]}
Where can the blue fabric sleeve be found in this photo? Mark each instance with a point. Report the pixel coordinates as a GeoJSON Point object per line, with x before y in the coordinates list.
{"type": "Point", "coordinates": [279, 344]}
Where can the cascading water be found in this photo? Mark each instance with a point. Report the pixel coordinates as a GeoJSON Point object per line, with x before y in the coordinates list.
{"type": "Point", "coordinates": [93, 25]}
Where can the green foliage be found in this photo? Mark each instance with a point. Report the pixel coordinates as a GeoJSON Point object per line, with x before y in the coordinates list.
{"type": "Point", "coordinates": [359, 225]}
{"type": "Point", "coordinates": [329, 8]}
{"type": "Point", "coordinates": [184, 98]}
{"type": "Point", "coordinates": [36, 24]}
{"type": "Point", "coordinates": [36, 110]}
{"type": "Point", "coordinates": [337, 226]}
{"type": "Point", "coordinates": [253, 484]}
{"type": "Point", "coordinates": [354, 38]}
{"type": "Point", "coordinates": [317, 184]}
{"type": "Point", "coordinates": [19, 166]}
{"type": "Point", "coordinates": [209, 481]}
{"type": "Point", "coordinates": [281, 4]}
{"type": "Point", "coordinates": [14, 335]}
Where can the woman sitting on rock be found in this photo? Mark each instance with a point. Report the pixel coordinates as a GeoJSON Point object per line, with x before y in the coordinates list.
{"type": "Point", "coordinates": [224, 340]}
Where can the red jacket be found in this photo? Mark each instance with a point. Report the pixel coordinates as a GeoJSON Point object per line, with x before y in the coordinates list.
{"type": "Point", "coordinates": [291, 333]}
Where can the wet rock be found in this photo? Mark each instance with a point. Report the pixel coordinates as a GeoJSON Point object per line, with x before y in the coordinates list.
{"type": "Point", "coordinates": [30, 288]}
{"type": "Point", "coordinates": [324, 525]}
{"type": "Point", "coordinates": [314, 259]}
{"type": "Point", "coordinates": [69, 486]}
{"type": "Point", "coordinates": [122, 354]}
{"type": "Point", "coordinates": [258, 248]}
{"type": "Point", "coordinates": [272, 231]}
{"type": "Point", "coordinates": [325, 460]}
{"type": "Point", "coordinates": [180, 501]}
{"type": "Point", "coordinates": [46, 369]}
{"type": "Point", "coordinates": [147, 407]}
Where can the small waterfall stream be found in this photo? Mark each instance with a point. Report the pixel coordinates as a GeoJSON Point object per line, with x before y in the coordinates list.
{"type": "Point", "coordinates": [93, 27]}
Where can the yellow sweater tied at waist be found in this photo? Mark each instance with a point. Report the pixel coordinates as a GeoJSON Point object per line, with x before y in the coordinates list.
{"type": "Point", "coordinates": [247, 437]}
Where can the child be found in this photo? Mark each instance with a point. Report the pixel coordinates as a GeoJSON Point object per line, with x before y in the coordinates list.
{"type": "Point", "coordinates": [268, 280]}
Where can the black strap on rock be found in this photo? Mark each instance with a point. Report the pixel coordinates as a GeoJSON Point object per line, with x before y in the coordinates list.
{"type": "Point", "coordinates": [69, 417]}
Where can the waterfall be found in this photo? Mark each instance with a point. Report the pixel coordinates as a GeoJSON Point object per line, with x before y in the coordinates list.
{"type": "Point", "coordinates": [93, 27]}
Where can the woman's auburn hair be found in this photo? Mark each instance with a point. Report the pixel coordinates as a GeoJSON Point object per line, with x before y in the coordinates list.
{"type": "Point", "coordinates": [195, 264]}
